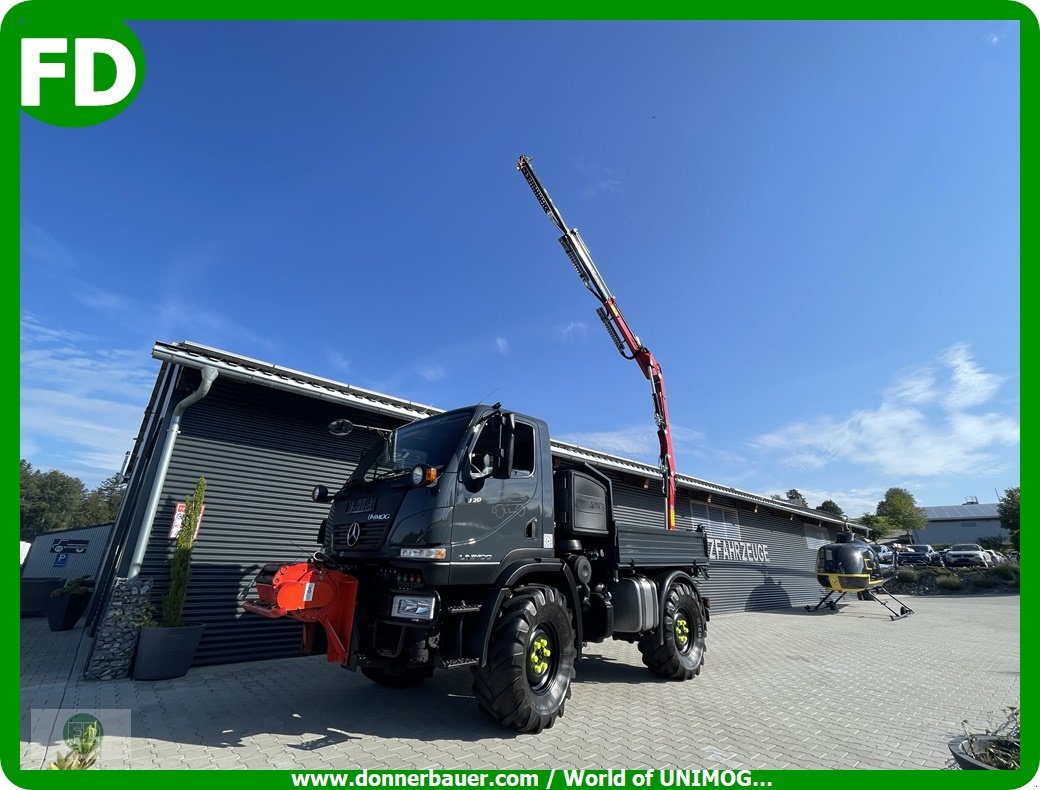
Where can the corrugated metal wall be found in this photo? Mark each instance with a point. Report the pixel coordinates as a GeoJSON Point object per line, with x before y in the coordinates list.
{"type": "Point", "coordinates": [40, 561]}
{"type": "Point", "coordinates": [786, 579]}
{"type": "Point", "coordinates": [261, 451]}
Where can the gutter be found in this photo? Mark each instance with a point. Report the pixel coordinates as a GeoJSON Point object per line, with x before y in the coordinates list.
{"type": "Point", "coordinates": [209, 375]}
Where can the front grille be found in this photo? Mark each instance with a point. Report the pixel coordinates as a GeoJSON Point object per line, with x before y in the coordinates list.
{"type": "Point", "coordinates": [360, 505]}
{"type": "Point", "coordinates": [370, 538]}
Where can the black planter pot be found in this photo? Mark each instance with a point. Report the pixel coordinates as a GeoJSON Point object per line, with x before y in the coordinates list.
{"type": "Point", "coordinates": [36, 594]}
{"type": "Point", "coordinates": [164, 653]}
{"type": "Point", "coordinates": [965, 759]}
{"type": "Point", "coordinates": [64, 611]}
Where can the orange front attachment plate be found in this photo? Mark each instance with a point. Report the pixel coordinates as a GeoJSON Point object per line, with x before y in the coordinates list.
{"type": "Point", "coordinates": [313, 594]}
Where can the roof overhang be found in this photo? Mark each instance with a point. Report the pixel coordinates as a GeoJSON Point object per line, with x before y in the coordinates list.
{"type": "Point", "coordinates": [266, 374]}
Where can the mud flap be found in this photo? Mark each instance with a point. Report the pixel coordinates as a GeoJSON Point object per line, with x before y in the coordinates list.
{"type": "Point", "coordinates": [313, 595]}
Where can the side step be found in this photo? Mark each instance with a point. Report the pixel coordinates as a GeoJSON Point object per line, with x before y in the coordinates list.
{"type": "Point", "coordinates": [462, 608]}
{"type": "Point", "coordinates": [455, 663]}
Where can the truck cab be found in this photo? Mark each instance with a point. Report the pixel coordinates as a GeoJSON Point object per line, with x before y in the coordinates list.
{"type": "Point", "coordinates": [453, 497]}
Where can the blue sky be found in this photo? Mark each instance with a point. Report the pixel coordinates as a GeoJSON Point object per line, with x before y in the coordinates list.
{"type": "Point", "coordinates": [813, 226]}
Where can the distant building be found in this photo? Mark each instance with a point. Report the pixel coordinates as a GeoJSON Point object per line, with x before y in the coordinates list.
{"type": "Point", "coordinates": [961, 523]}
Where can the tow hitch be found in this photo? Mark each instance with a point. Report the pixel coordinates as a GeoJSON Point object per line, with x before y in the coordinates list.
{"type": "Point", "coordinates": [312, 594]}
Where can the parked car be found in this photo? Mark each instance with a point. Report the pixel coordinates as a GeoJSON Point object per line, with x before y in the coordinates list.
{"type": "Point", "coordinates": [887, 559]}
{"type": "Point", "coordinates": [996, 558]}
{"type": "Point", "coordinates": [967, 554]}
{"type": "Point", "coordinates": [920, 554]}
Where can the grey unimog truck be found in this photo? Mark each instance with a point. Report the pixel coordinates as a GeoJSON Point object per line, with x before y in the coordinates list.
{"type": "Point", "coordinates": [460, 541]}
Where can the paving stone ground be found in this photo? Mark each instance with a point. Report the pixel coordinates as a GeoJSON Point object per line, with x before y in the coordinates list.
{"type": "Point", "coordinates": [781, 689]}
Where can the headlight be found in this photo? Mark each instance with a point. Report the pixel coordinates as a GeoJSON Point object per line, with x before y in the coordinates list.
{"type": "Point", "coordinates": [413, 607]}
{"type": "Point", "coordinates": [423, 475]}
{"type": "Point", "coordinates": [423, 554]}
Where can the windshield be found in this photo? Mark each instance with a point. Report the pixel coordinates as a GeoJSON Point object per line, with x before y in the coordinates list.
{"type": "Point", "coordinates": [965, 547]}
{"type": "Point", "coordinates": [428, 442]}
{"type": "Point", "coordinates": [919, 548]}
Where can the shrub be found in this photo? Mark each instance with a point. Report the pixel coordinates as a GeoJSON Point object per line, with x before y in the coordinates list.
{"type": "Point", "coordinates": [984, 582]}
{"type": "Point", "coordinates": [83, 753]}
{"type": "Point", "coordinates": [907, 575]}
{"type": "Point", "coordinates": [180, 564]}
{"type": "Point", "coordinates": [949, 582]}
{"type": "Point", "coordinates": [1006, 572]}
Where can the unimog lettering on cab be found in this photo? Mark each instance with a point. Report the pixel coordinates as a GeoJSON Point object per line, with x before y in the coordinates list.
{"type": "Point", "coordinates": [460, 541]}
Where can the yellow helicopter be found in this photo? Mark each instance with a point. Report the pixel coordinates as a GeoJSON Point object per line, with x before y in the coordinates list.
{"type": "Point", "coordinates": [849, 565]}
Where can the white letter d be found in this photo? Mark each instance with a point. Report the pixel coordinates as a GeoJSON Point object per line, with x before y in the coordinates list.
{"type": "Point", "coordinates": [126, 72]}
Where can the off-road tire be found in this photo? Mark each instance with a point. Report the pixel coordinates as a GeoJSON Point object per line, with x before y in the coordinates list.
{"type": "Point", "coordinates": [397, 678]}
{"type": "Point", "coordinates": [530, 663]}
{"type": "Point", "coordinates": [682, 654]}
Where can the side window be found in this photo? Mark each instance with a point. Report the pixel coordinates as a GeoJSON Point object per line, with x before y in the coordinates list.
{"type": "Point", "coordinates": [482, 457]}
{"type": "Point", "coordinates": [523, 450]}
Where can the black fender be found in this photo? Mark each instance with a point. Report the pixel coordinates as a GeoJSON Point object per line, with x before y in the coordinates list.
{"type": "Point", "coordinates": [544, 573]}
{"type": "Point", "coordinates": [663, 582]}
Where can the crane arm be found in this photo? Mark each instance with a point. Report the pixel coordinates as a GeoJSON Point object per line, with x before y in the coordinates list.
{"type": "Point", "coordinates": [628, 344]}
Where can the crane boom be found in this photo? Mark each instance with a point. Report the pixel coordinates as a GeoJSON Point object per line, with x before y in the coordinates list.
{"type": "Point", "coordinates": [628, 344]}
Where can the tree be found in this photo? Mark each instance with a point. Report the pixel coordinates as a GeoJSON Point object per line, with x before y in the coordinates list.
{"type": "Point", "coordinates": [794, 496]}
{"type": "Point", "coordinates": [995, 542]}
{"type": "Point", "coordinates": [101, 505]}
{"type": "Point", "coordinates": [901, 512]}
{"type": "Point", "coordinates": [1007, 509]}
{"type": "Point", "coordinates": [878, 526]}
{"type": "Point", "coordinates": [832, 507]}
{"type": "Point", "coordinates": [49, 500]}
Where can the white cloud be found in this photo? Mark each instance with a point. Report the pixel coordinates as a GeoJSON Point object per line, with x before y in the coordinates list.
{"type": "Point", "coordinates": [99, 299]}
{"type": "Point", "coordinates": [339, 362]}
{"type": "Point", "coordinates": [971, 387]}
{"type": "Point", "coordinates": [195, 322]}
{"type": "Point", "coordinates": [921, 427]}
{"type": "Point", "coordinates": [600, 179]}
{"type": "Point", "coordinates": [40, 247]}
{"type": "Point", "coordinates": [431, 373]}
{"type": "Point", "coordinates": [32, 331]}
{"type": "Point", "coordinates": [81, 406]}
{"type": "Point", "coordinates": [638, 442]}
{"type": "Point", "coordinates": [854, 501]}
{"type": "Point", "coordinates": [573, 330]}
{"type": "Point", "coordinates": [502, 345]}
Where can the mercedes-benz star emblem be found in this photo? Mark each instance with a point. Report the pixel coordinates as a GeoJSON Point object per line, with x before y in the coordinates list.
{"type": "Point", "coordinates": [353, 533]}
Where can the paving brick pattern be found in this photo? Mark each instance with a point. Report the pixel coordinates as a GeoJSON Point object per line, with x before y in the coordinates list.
{"type": "Point", "coordinates": [781, 689]}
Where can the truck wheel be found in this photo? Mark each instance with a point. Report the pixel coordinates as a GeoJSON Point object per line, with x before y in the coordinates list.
{"type": "Point", "coordinates": [397, 679]}
{"type": "Point", "coordinates": [682, 654]}
{"type": "Point", "coordinates": [530, 663]}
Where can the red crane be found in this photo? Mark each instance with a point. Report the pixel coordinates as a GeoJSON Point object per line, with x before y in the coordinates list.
{"type": "Point", "coordinates": [628, 344]}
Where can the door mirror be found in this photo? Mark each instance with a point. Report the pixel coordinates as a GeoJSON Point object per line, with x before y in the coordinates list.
{"type": "Point", "coordinates": [504, 466]}
{"type": "Point", "coordinates": [340, 427]}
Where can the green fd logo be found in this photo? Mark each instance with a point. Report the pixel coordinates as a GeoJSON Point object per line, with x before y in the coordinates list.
{"type": "Point", "coordinates": [75, 70]}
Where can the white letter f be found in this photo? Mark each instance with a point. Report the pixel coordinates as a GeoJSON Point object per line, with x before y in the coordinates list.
{"type": "Point", "coordinates": [34, 70]}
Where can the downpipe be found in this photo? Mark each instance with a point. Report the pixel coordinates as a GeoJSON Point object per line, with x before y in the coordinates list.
{"type": "Point", "coordinates": [209, 375]}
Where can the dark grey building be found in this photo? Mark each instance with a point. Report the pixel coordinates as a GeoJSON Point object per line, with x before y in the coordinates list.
{"type": "Point", "coordinates": [961, 523]}
{"type": "Point", "coordinates": [67, 553]}
{"type": "Point", "coordinates": [258, 433]}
